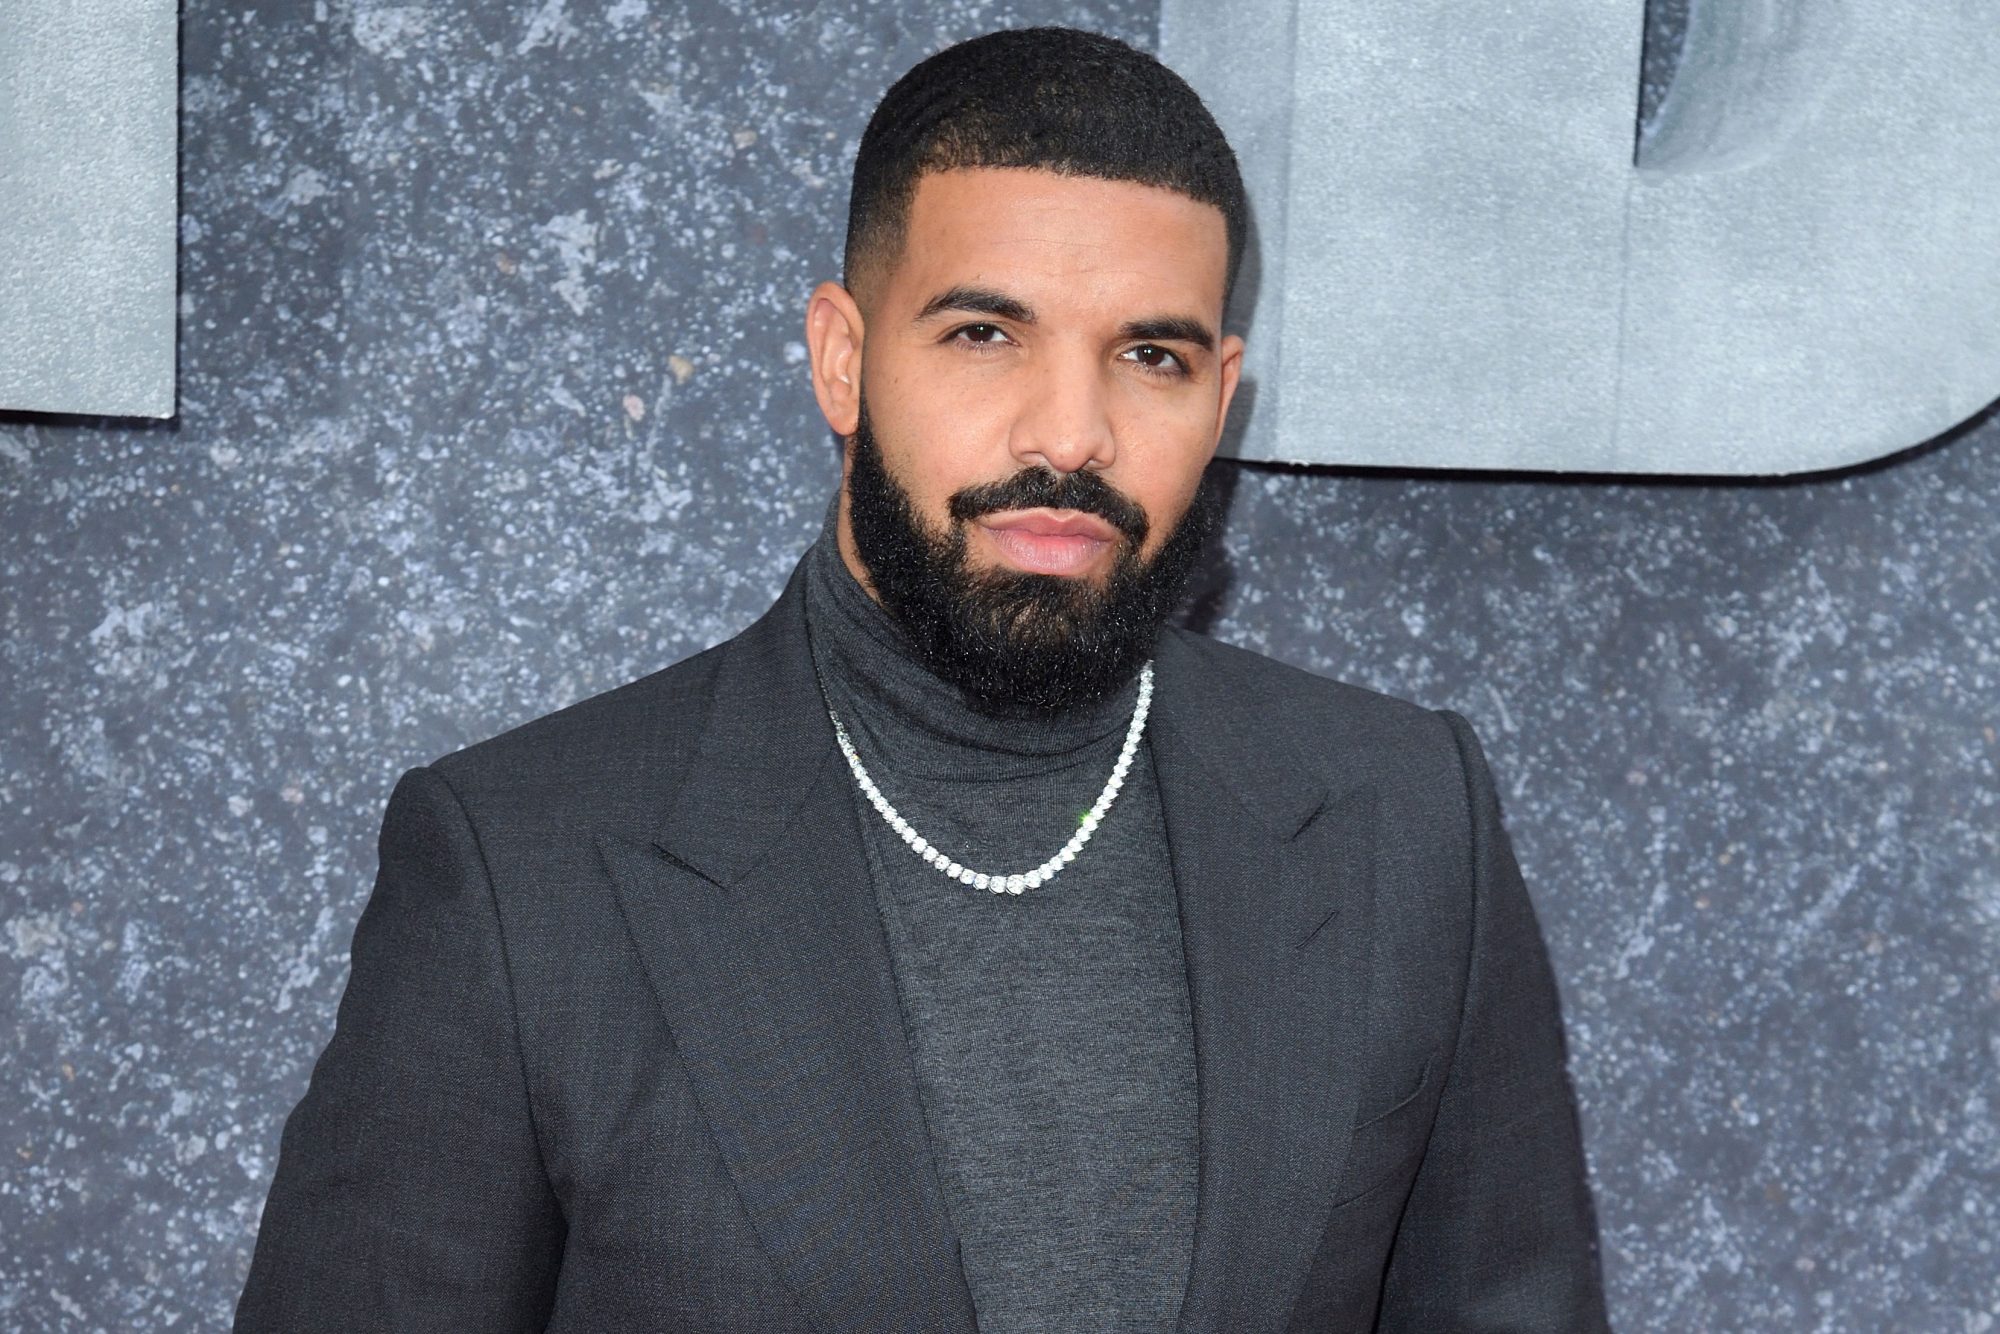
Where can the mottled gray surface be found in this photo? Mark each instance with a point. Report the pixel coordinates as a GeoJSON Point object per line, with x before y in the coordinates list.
{"type": "Point", "coordinates": [87, 181]}
{"type": "Point", "coordinates": [491, 400]}
{"type": "Point", "coordinates": [1799, 272]}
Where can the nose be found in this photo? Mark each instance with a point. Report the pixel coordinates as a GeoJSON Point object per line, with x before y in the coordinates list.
{"type": "Point", "coordinates": [1065, 424]}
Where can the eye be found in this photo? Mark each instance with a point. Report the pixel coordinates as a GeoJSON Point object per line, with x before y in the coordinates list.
{"type": "Point", "coordinates": [1157, 360]}
{"type": "Point", "coordinates": [978, 335]}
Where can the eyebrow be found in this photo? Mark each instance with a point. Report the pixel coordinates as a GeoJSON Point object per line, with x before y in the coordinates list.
{"type": "Point", "coordinates": [977, 300]}
{"type": "Point", "coordinates": [1171, 329]}
{"type": "Point", "coordinates": [986, 301]}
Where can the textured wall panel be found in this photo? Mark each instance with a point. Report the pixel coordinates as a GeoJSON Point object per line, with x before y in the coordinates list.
{"type": "Point", "coordinates": [87, 180]}
{"type": "Point", "coordinates": [1800, 272]}
{"type": "Point", "coordinates": [493, 398]}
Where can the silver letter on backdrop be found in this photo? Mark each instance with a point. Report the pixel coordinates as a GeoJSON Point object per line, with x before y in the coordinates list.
{"type": "Point", "coordinates": [1465, 265]}
{"type": "Point", "coordinates": [87, 184]}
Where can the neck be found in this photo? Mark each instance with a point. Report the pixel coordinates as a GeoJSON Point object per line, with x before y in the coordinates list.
{"type": "Point", "coordinates": [885, 692]}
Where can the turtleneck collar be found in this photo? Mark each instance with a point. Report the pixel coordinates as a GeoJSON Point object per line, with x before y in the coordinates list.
{"type": "Point", "coordinates": [877, 680]}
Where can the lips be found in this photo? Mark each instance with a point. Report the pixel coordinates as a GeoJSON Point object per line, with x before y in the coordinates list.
{"type": "Point", "coordinates": [1043, 541]}
{"type": "Point", "coordinates": [1051, 523]}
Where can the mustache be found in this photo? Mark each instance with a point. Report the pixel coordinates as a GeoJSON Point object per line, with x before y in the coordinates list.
{"type": "Point", "coordinates": [1037, 487]}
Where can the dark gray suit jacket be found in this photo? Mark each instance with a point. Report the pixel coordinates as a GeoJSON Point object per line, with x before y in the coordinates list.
{"type": "Point", "coordinates": [620, 1047]}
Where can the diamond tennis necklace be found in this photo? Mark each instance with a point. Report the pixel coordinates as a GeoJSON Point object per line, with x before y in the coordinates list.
{"type": "Point", "coordinates": [1041, 875]}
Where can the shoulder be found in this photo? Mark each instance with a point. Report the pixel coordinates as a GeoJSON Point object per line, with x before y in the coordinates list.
{"type": "Point", "coordinates": [1338, 728]}
{"type": "Point", "coordinates": [603, 760]}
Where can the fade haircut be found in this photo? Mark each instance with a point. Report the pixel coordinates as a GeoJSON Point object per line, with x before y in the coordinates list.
{"type": "Point", "coordinates": [1059, 99]}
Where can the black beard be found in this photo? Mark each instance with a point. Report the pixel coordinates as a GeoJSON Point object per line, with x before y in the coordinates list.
{"type": "Point", "coordinates": [1010, 640]}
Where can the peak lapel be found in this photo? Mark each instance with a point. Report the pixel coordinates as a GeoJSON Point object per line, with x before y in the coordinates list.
{"type": "Point", "coordinates": [1276, 885]}
{"type": "Point", "coordinates": [760, 935]}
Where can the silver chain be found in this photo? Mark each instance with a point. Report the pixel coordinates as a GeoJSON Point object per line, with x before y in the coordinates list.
{"type": "Point", "coordinates": [998, 883]}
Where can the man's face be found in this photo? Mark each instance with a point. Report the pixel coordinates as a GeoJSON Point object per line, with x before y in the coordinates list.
{"type": "Point", "coordinates": [1045, 382]}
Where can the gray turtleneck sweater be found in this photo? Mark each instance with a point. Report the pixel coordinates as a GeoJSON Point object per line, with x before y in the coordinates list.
{"type": "Point", "coordinates": [1050, 1030]}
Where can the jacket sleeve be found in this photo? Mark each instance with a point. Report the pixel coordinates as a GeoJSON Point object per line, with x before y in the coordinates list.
{"type": "Point", "coordinates": [1498, 1233]}
{"type": "Point", "coordinates": [410, 1192]}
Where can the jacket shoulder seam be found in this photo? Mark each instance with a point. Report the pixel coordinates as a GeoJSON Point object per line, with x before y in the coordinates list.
{"type": "Point", "coordinates": [506, 964]}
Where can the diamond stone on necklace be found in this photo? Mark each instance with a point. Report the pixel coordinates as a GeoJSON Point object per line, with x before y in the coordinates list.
{"type": "Point", "coordinates": [1041, 875]}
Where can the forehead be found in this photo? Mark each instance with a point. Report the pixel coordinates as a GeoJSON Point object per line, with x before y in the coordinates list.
{"type": "Point", "coordinates": [1041, 234]}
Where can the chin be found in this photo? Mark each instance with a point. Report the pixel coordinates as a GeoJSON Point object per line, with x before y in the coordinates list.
{"type": "Point", "coordinates": [1096, 573]}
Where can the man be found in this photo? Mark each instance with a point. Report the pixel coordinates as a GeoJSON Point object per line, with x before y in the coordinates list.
{"type": "Point", "coordinates": [959, 946]}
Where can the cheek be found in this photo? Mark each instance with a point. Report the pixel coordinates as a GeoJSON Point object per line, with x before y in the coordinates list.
{"type": "Point", "coordinates": [940, 443]}
{"type": "Point", "coordinates": [1164, 515]}
{"type": "Point", "coordinates": [920, 468]}
{"type": "Point", "coordinates": [1164, 472]}
{"type": "Point", "coordinates": [1173, 430]}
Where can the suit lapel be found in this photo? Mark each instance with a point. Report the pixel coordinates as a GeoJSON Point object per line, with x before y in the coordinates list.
{"type": "Point", "coordinates": [1275, 878]}
{"type": "Point", "coordinates": [753, 914]}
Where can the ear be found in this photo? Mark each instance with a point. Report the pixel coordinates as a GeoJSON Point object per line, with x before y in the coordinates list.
{"type": "Point", "coordinates": [834, 330]}
{"type": "Point", "coordinates": [1230, 364]}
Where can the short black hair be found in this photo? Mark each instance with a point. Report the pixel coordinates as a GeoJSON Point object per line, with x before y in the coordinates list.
{"type": "Point", "coordinates": [1060, 99]}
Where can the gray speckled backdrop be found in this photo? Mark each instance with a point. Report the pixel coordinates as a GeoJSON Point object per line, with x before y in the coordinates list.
{"type": "Point", "coordinates": [491, 399]}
